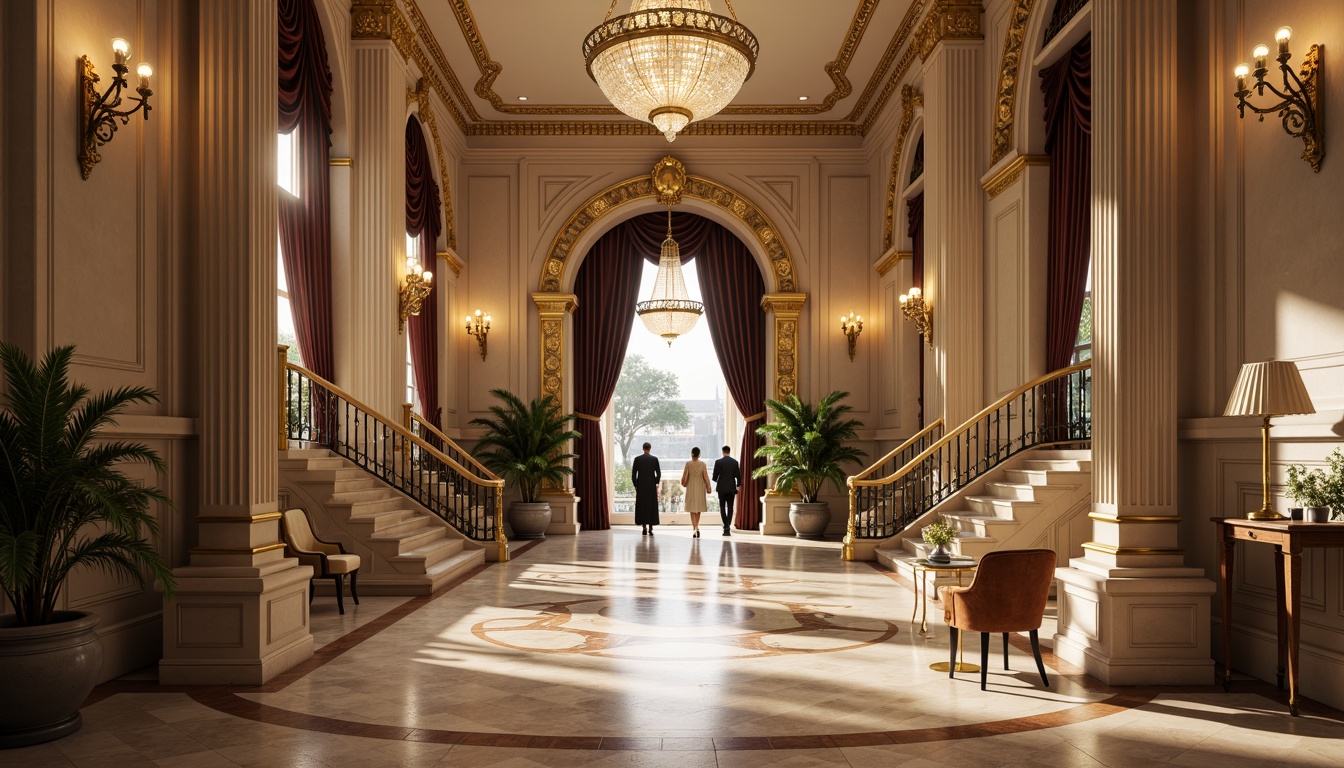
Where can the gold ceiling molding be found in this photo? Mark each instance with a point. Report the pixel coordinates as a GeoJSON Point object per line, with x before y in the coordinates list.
{"type": "Point", "coordinates": [949, 20]}
{"type": "Point", "coordinates": [640, 187]}
{"type": "Point", "coordinates": [1012, 172]}
{"type": "Point", "coordinates": [420, 96]}
{"type": "Point", "coordinates": [911, 99]}
{"type": "Point", "coordinates": [897, 43]}
{"type": "Point", "coordinates": [383, 20]}
{"type": "Point", "coordinates": [431, 43]}
{"type": "Point", "coordinates": [1005, 103]}
{"type": "Point", "coordinates": [835, 70]}
{"type": "Point", "coordinates": [635, 128]}
{"type": "Point", "coordinates": [890, 261]}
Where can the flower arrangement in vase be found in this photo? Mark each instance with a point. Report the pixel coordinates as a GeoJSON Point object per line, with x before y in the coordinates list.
{"type": "Point", "coordinates": [1319, 491]}
{"type": "Point", "coordinates": [939, 534]}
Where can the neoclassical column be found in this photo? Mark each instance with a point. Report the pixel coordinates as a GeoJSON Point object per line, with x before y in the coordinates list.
{"type": "Point", "coordinates": [552, 309]}
{"type": "Point", "coordinates": [1130, 612]}
{"type": "Point", "coordinates": [240, 615]}
{"type": "Point", "coordinates": [951, 43]}
{"type": "Point", "coordinates": [378, 196]}
{"type": "Point", "coordinates": [786, 307]}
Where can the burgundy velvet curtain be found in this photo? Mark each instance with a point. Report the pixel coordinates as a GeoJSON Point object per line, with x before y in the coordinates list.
{"type": "Point", "coordinates": [1067, 85]}
{"type": "Point", "coordinates": [606, 288]}
{"type": "Point", "coordinates": [915, 229]}
{"type": "Point", "coordinates": [424, 221]}
{"type": "Point", "coordinates": [305, 221]}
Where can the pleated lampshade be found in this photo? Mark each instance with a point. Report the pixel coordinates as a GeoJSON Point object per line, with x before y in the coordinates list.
{"type": "Point", "coordinates": [1271, 388]}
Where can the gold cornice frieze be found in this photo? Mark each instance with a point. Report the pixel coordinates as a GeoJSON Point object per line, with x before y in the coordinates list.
{"type": "Point", "coordinates": [1012, 172]}
{"type": "Point", "coordinates": [898, 43]}
{"type": "Point", "coordinates": [1010, 68]}
{"type": "Point", "coordinates": [454, 263]}
{"type": "Point", "coordinates": [371, 20]}
{"type": "Point", "coordinates": [911, 99]}
{"type": "Point", "coordinates": [890, 261]}
{"type": "Point", "coordinates": [435, 51]}
{"type": "Point", "coordinates": [635, 128]}
{"type": "Point", "coordinates": [949, 20]}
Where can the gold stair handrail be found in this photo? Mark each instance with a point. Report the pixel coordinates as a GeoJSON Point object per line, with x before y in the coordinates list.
{"type": "Point", "coordinates": [405, 433]}
{"type": "Point", "coordinates": [851, 528]}
{"type": "Point", "coordinates": [409, 416]}
{"type": "Point", "coordinates": [920, 435]}
{"type": "Point", "coordinates": [853, 483]}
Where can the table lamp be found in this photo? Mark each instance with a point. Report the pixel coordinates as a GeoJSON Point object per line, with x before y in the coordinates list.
{"type": "Point", "coordinates": [1268, 389]}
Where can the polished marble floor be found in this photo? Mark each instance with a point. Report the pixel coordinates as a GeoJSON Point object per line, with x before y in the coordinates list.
{"type": "Point", "coordinates": [617, 649]}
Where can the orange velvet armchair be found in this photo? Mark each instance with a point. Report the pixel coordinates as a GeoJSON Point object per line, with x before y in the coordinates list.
{"type": "Point", "coordinates": [1008, 594]}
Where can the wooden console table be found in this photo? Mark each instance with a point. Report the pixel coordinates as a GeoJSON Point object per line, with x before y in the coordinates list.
{"type": "Point", "coordinates": [1289, 539]}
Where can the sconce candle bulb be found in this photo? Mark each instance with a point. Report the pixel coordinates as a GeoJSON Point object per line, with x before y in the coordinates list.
{"type": "Point", "coordinates": [1299, 105]}
{"type": "Point", "coordinates": [479, 326]}
{"type": "Point", "coordinates": [98, 114]}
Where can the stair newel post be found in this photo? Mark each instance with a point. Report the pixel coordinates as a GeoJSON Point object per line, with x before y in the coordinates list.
{"type": "Point", "coordinates": [847, 549]}
{"type": "Point", "coordinates": [406, 416]}
{"type": "Point", "coordinates": [283, 353]}
{"type": "Point", "coordinates": [499, 524]}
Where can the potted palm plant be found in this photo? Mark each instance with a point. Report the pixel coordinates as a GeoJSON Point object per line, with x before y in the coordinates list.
{"type": "Point", "coordinates": [806, 447]}
{"type": "Point", "coordinates": [525, 445]}
{"type": "Point", "coordinates": [64, 505]}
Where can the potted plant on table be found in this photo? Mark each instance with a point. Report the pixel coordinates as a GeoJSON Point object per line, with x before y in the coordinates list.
{"type": "Point", "coordinates": [806, 447]}
{"type": "Point", "coordinates": [939, 534]}
{"type": "Point", "coordinates": [525, 445]}
{"type": "Point", "coordinates": [64, 504]}
{"type": "Point", "coordinates": [1319, 491]}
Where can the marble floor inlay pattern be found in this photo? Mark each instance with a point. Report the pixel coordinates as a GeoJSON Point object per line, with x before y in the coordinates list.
{"type": "Point", "coordinates": [613, 648]}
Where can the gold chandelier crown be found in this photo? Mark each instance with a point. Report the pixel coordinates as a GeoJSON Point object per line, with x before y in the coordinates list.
{"type": "Point", "coordinates": [670, 62]}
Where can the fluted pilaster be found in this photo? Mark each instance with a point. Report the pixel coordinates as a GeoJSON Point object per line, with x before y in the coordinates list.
{"type": "Point", "coordinates": [378, 231]}
{"type": "Point", "coordinates": [954, 159]}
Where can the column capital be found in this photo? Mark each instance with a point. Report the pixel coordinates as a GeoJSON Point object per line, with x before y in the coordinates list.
{"type": "Point", "coordinates": [555, 304]}
{"type": "Point", "coordinates": [949, 20]}
{"type": "Point", "coordinates": [784, 305]}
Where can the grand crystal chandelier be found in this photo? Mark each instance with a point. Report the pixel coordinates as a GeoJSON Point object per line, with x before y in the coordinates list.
{"type": "Point", "coordinates": [669, 312]}
{"type": "Point", "coordinates": [670, 62]}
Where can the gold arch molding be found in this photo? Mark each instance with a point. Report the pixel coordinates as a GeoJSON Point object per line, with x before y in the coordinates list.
{"type": "Point", "coordinates": [668, 183]}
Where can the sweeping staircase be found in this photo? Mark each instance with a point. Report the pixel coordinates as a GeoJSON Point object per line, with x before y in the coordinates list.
{"type": "Point", "coordinates": [417, 508]}
{"type": "Point", "coordinates": [1016, 475]}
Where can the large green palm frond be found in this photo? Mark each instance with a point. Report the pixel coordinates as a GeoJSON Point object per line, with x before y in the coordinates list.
{"type": "Point", "coordinates": [64, 501]}
{"type": "Point", "coordinates": [807, 444]}
{"type": "Point", "coordinates": [525, 443]}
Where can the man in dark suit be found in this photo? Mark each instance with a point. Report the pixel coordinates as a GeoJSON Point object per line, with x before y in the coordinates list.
{"type": "Point", "coordinates": [645, 474]}
{"type": "Point", "coordinates": [727, 479]}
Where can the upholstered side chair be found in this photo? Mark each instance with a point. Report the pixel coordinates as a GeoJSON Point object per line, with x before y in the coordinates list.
{"type": "Point", "coordinates": [1008, 594]}
{"type": "Point", "coordinates": [328, 558]}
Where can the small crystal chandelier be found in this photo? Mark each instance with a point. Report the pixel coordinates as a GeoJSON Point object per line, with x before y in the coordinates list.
{"type": "Point", "coordinates": [669, 312]}
{"type": "Point", "coordinates": [670, 62]}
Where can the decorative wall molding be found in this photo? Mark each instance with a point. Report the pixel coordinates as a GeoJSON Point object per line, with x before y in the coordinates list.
{"type": "Point", "coordinates": [786, 307]}
{"type": "Point", "coordinates": [553, 307]}
{"type": "Point", "coordinates": [890, 260]}
{"type": "Point", "coordinates": [911, 99]}
{"type": "Point", "coordinates": [1010, 66]}
{"type": "Point", "coordinates": [1011, 172]}
{"type": "Point", "coordinates": [948, 20]}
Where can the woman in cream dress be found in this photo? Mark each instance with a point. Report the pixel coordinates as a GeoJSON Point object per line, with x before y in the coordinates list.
{"type": "Point", "coordinates": [695, 479]}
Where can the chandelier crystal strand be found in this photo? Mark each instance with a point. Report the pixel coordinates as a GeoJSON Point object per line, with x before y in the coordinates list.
{"type": "Point", "coordinates": [669, 312]}
{"type": "Point", "coordinates": [670, 62]}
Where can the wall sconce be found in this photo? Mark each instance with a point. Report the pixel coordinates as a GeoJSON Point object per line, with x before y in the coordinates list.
{"type": "Point", "coordinates": [98, 115]}
{"type": "Point", "coordinates": [919, 313]}
{"type": "Point", "coordinates": [1299, 102]}
{"type": "Point", "coordinates": [414, 290]}
{"type": "Point", "coordinates": [851, 326]}
{"type": "Point", "coordinates": [479, 326]}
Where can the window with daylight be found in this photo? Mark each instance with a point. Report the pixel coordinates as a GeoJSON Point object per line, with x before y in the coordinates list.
{"type": "Point", "coordinates": [287, 177]}
{"type": "Point", "coordinates": [412, 252]}
{"type": "Point", "coordinates": [1082, 349]}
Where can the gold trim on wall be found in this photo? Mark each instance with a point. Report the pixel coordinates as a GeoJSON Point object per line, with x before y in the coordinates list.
{"type": "Point", "coordinates": [948, 20]}
{"type": "Point", "coordinates": [1107, 549]}
{"type": "Point", "coordinates": [1010, 72]}
{"type": "Point", "coordinates": [786, 307]}
{"type": "Point", "coordinates": [1128, 519]}
{"type": "Point", "coordinates": [1012, 172]}
{"type": "Point", "coordinates": [890, 261]}
{"type": "Point", "coordinates": [552, 308]}
{"type": "Point", "coordinates": [454, 263]}
{"type": "Point", "coordinates": [339, 162]}
{"type": "Point", "coordinates": [911, 99]}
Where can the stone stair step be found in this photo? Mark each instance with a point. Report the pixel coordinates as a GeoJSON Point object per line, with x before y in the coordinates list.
{"type": "Point", "coordinates": [1024, 491]}
{"type": "Point", "coordinates": [1066, 465]}
{"type": "Point", "coordinates": [984, 525]}
{"type": "Point", "coordinates": [377, 493]}
{"type": "Point", "coordinates": [422, 559]}
{"type": "Point", "coordinates": [379, 521]}
{"type": "Point", "coordinates": [304, 453]}
{"type": "Point", "coordinates": [994, 506]}
{"type": "Point", "coordinates": [359, 508]}
{"type": "Point", "coordinates": [319, 476]}
{"type": "Point", "coordinates": [362, 483]}
{"type": "Point", "coordinates": [312, 462]}
{"type": "Point", "coordinates": [1049, 477]}
{"type": "Point", "coordinates": [407, 541]}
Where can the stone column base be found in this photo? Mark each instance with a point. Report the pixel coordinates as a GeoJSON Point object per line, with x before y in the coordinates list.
{"type": "Point", "coordinates": [564, 514]}
{"type": "Point", "coordinates": [775, 513]}
{"type": "Point", "coordinates": [1135, 626]}
{"type": "Point", "coordinates": [225, 626]}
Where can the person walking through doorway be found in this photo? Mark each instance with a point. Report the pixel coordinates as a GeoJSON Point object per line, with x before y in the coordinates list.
{"type": "Point", "coordinates": [727, 480]}
{"type": "Point", "coordinates": [695, 479]}
{"type": "Point", "coordinates": [646, 474]}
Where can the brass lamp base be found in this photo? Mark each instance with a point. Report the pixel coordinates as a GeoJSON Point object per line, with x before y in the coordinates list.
{"type": "Point", "coordinates": [962, 666]}
{"type": "Point", "coordinates": [1264, 514]}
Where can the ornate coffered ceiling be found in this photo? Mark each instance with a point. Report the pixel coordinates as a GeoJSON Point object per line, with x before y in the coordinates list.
{"type": "Point", "coordinates": [846, 56]}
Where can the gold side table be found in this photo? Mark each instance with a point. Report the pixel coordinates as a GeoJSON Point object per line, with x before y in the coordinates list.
{"type": "Point", "coordinates": [922, 566]}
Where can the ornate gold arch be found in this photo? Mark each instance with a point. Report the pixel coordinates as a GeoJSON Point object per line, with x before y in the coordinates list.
{"type": "Point", "coordinates": [668, 183]}
{"type": "Point", "coordinates": [1010, 66]}
{"type": "Point", "coordinates": [911, 99]}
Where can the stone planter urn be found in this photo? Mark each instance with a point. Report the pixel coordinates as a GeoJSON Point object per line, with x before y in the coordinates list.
{"type": "Point", "coordinates": [809, 518]}
{"type": "Point", "coordinates": [529, 519]}
{"type": "Point", "coordinates": [49, 671]}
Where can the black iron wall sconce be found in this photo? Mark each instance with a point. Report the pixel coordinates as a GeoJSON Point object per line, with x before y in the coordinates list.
{"type": "Point", "coordinates": [1299, 103]}
{"type": "Point", "coordinates": [98, 115]}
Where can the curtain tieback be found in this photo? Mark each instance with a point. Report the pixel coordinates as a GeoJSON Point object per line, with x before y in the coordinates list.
{"type": "Point", "coordinates": [589, 418]}
{"type": "Point", "coordinates": [756, 417]}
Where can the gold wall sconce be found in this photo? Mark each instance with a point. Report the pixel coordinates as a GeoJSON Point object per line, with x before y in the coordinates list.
{"type": "Point", "coordinates": [919, 313]}
{"type": "Point", "coordinates": [1299, 102]}
{"type": "Point", "coordinates": [479, 326]}
{"type": "Point", "coordinates": [851, 326]}
{"type": "Point", "coordinates": [414, 290]}
{"type": "Point", "coordinates": [98, 115]}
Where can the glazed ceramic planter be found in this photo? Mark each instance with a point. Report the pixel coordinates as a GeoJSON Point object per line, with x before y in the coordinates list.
{"type": "Point", "coordinates": [529, 520]}
{"type": "Point", "coordinates": [52, 668]}
{"type": "Point", "coordinates": [809, 518]}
